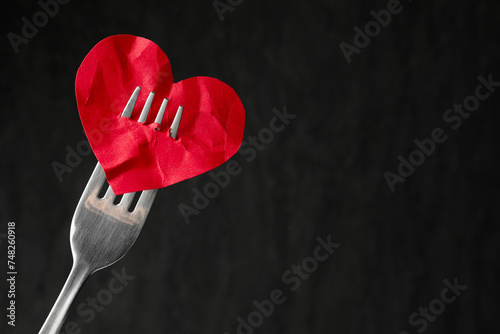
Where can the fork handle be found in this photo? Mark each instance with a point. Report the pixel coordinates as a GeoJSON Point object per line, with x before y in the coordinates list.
{"type": "Point", "coordinates": [77, 276]}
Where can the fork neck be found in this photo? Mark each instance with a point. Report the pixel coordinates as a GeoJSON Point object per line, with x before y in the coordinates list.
{"type": "Point", "coordinates": [79, 273]}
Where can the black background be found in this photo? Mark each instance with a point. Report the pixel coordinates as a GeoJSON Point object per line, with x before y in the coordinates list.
{"type": "Point", "coordinates": [322, 175]}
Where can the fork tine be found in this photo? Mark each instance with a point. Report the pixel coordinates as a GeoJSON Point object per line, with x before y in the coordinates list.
{"type": "Point", "coordinates": [127, 199]}
{"type": "Point", "coordinates": [161, 112]}
{"type": "Point", "coordinates": [127, 112]}
{"type": "Point", "coordinates": [98, 175]}
{"type": "Point", "coordinates": [96, 181]}
{"type": "Point", "coordinates": [146, 199]}
{"type": "Point", "coordinates": [175, 124]}
{"type": "Point", "coordinates": [109, 194]}
{"type": "Point", "coordinates": [147, 106]}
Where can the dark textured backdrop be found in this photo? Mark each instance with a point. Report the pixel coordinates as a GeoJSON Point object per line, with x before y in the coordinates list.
{"type": "Point", "coordinates": [322, 175]}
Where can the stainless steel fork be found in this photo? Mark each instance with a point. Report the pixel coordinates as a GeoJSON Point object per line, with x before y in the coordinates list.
{"type": "Point", "coordinates": [101, 232]}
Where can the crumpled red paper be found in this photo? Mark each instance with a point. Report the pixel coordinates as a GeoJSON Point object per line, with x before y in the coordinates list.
{"type": "Point", "coordinates": [138, 156]}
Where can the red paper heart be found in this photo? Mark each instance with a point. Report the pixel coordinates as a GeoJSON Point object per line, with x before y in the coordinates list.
{"type": "Point", "coordinates": [135, 156]}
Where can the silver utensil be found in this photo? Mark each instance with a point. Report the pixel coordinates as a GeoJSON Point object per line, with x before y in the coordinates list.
{"type": "Point", "coordinates": [102, 232]}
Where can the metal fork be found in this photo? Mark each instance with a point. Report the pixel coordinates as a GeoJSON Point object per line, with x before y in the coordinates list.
{"type": "Point", "coordinates": [102, 232]}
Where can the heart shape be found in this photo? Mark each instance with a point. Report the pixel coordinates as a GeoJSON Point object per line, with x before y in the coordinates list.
{"type": "Point", "coordinates": [140, 156]}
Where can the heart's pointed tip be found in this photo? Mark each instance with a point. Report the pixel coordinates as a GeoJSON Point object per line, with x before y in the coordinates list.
{"type": "Point", "coordinates": [120, 189]}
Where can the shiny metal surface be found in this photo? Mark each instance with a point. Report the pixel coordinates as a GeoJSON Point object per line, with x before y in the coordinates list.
{"type": "Point", "coordinates": [175, 124]}
{"type": "Point", "coordinates": [145, 109]}
{"type": "Point", "coordinates": [127, 111]}
{"type": "Point", "coordinates": [161, 112]}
